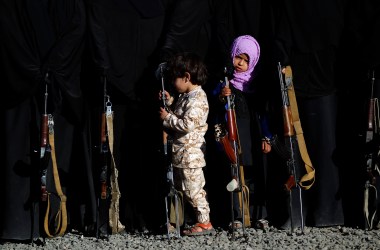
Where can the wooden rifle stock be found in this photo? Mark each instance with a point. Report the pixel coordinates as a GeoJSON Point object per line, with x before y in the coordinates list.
{"type": "Point", "coordinates": [289, 133]}
{"type": "Point", "coordinates": [103, 132]}
{"type": "Point", "coordinates": [370, 114]}
{"type": "Point", "coordinates": [231, 125]}
{"type": "Point", "coordinates": [221, 137]}
{"type": "Point", "coordinates": [231, 118]}
{"type": "Point", "coordinates": [44, 130]}
{"type": "Point", "coordinates": [103, 146]}
{"type": "Point", "coordinates": [290, 182]}
{"type": "Point", "coordinates": [288, 121]}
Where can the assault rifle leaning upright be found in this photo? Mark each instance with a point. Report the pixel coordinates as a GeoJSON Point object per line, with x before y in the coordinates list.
{"type": "Point", "coordinates": [47, 156]}
{"type": "Point", "coordinates": [372, 160]}
{"type": "Point", "coordinates": [294, 159]}
{"type": "Point", "coordinates": [45, 147]}
{"type": "Point", "coordinates": [106, 151]}
{"type": "Point", "coordinates": [102, 215]}
{"type": "Point", "coordinates": [173, 193]}
{"type": "Point", "coordinates": [231, 145]}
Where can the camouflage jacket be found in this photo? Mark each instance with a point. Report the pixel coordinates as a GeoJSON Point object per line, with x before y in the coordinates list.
{"type": "Point", "coordinates": [187, 121]}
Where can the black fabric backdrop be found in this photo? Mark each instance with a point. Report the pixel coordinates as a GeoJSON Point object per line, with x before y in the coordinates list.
{"type": "Point", "coordinates": [79, 42]}
{"type": "Point", "coordinates": [40, 37]}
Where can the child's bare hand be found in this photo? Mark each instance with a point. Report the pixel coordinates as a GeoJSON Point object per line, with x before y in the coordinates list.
{"type": "Point", "coordinates": [163, 113]}
{"type": "Point", "coordinates": [266, 147]}
{"type": "Point", "coordinates": [167, 95]}
{"type": "Point", "coordinates": [226, 91]}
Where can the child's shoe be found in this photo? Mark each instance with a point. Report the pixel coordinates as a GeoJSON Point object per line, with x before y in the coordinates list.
{"type": "Point", "coordinates": [200, 229]}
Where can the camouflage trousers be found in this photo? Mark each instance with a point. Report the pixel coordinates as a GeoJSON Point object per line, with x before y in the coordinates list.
{"type": "Point", "coordinates": [191, 182]}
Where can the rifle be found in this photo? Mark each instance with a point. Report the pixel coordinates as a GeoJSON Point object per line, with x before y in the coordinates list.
{"type": "Point", "coordinates": [48, 153]}
{"type": "Point", "coordinates": [293, 161]}
{"type": "Point", "coordinates": [102, 221]}
{"type": "Point", "coordinates": [233, 151]}
{"type": "Point", "coordinates": [371, 158]}
{"type": "Point", "coordinates": [173, 193]}
{"type": "Point", "coordinates": [45, 148]}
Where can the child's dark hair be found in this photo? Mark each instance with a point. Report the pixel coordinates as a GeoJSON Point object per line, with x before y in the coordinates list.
{"type": "Point", "coordinates": [191, 63]}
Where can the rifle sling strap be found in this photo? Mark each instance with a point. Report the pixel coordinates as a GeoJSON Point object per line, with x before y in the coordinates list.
{"type": "Point", "coordinates": [61, 216]}
{"type": "Point", "coordinates": [114, 221]}
{"type": "Point", "coordinates": [244, 193]}
{"type": "Point", "coordinates": [308, 179]}
{"type": "Point", "coordinates": [243, 196]}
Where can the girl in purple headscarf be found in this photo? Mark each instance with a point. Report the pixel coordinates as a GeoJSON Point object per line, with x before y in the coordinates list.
{"type": "Point", "coordinates": [245, 54]}
{"type": "Point", "coordinates": [254, 137]}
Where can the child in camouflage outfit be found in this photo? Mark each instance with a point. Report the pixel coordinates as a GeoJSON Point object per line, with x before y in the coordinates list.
{"type": "Point", "coordinates": [186, 123]}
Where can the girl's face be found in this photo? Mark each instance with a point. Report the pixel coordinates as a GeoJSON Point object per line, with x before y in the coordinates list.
{"type": "Point", "coordinates": [241, 63]}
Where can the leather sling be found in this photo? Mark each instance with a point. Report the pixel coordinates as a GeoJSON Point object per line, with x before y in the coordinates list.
{"type": "Point", "coordinates": [308, 179]}
{"type": "Point", "coordinates": [114, 221]}
{"type": "Point", "coordinates": [61, 216]}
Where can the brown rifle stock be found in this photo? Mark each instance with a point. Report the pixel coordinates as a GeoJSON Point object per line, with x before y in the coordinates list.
{"type": "Point", "coordinates": [103, 141]}
{"type": "Point", "coordinates": [370, 114]}
{"type": "Point", "coordinates": [288, 132]}
{"type": "Point", "coordinates": [44, 130]}
{"type": "Point", "coordinates": [103, 132]}
{"type": "Point", "coordinates": [231, 125]}
{"type": "Point", "coordinates": [288, 121]}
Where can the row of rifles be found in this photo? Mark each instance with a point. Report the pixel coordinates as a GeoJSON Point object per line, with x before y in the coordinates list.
{"type": "Point", "coordinates": [228, 136]}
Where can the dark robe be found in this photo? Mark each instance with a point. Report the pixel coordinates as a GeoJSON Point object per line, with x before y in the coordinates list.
{"type": "Point", "coordinates": [122, 38]}
{"type": "Point", "coordinates": [359, 58]}
{"type": "Point", "coordinates": [307, 36]}
{"type": "Point", "coordinates": [128, 39]}
{"type": "Point", "coordinates": [41, 37]}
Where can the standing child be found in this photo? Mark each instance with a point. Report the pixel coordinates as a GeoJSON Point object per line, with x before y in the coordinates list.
{"type": "Point", "coordinates": [186, 123]}
{"type": "Point", "coordinates": [253, 133]}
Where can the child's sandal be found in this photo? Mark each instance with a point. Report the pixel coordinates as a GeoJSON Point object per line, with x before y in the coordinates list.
{"type": "Point", "coordinates": [199, 229]}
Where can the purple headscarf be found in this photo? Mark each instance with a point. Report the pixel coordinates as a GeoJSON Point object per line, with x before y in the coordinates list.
{"type": "Point", "coordinates": [248, 45]}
